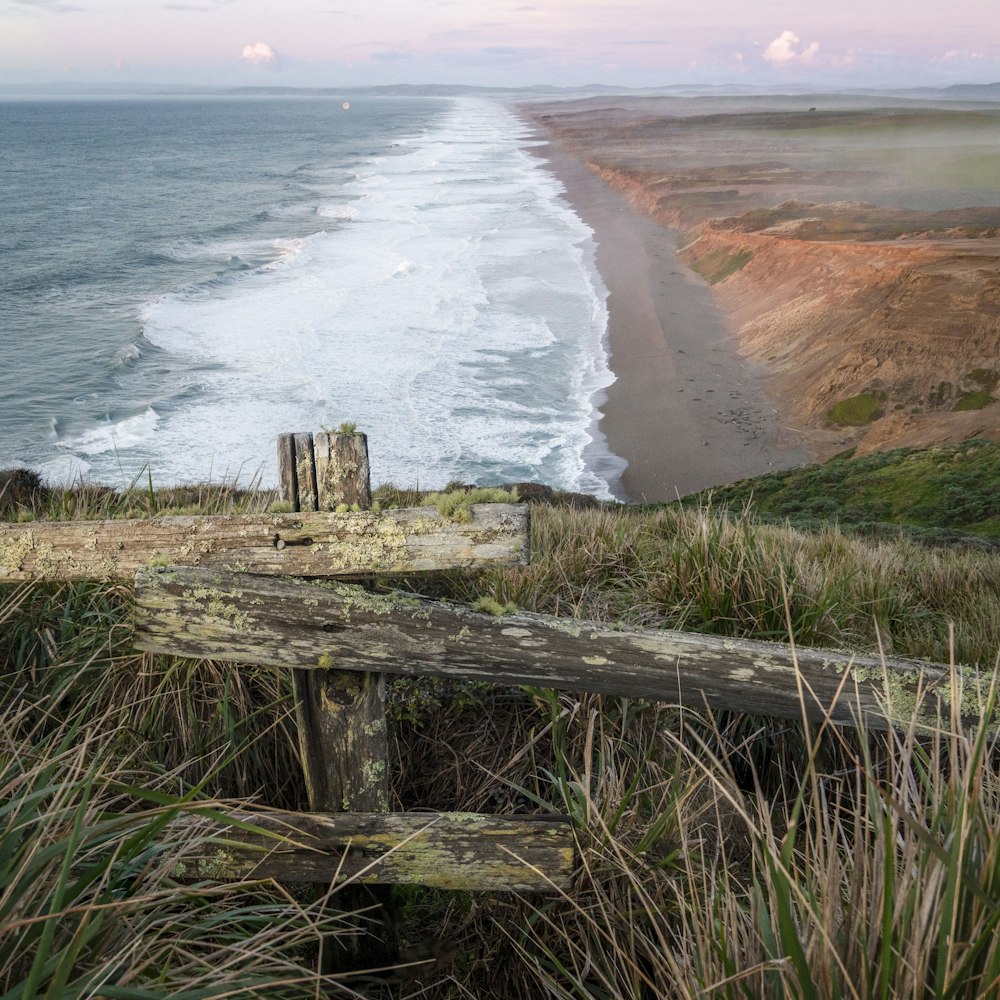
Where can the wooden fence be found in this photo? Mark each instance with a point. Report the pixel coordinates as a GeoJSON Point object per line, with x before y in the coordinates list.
{"type": "Point", "coordinates": [232, 587]}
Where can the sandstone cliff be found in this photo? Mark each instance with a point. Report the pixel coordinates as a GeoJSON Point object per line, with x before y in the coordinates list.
{"type": "Point", "coordinates": [914, 328]}
{"type": "Point", "coordinates": [880, 325]}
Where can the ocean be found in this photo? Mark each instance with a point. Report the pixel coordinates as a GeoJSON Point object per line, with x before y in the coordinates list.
{"type": "Point", "coordinates": [184, 279]}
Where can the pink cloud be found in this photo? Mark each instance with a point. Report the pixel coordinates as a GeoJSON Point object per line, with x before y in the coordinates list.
{"type": "Point", "coordinates": [259, 53]}
{"type": "Point", "coordinates": [782, 51]}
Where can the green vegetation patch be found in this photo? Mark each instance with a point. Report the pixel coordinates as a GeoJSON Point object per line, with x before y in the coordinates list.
{"type": "Point", "coordinates": [940, 494]}
{"type": "Point", "coordinates": [457, 504]}
{"type": "Point", "coordinates": [974, 400]}
{"type": "Point", "coordinates": [100, 748]}
{"type": "Point", "coordinates": [984, 377]}
{"type": "Point", "coordinates": [720, 264]}
{"type": "Point", "coordinates": [856, 411]}
{"type": "Point", "coordinates": [939, 395]}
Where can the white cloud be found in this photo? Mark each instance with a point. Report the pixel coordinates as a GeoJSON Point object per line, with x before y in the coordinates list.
{"type": "Point", "coordinates": [959, 54]}
{"type": "Point", "coordinates": [259, 53]}
{"type": "Point", "coordinates": [782, 51]}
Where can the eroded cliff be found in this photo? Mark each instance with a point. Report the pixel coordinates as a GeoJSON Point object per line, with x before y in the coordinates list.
{"type": "Point", "coordinates": [879, 323]}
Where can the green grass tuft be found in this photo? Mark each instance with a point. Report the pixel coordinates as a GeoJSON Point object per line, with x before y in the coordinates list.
{"type": "Point", "coordinates": [855, 411]}
{"type": "Point", "coordinates": [493, 607]}
{"type": "Point", "coordinates": [457, 504]}
{"type": "Point", "coordinates": [984, 377]}
{"type": "Point", "coordinates": [974, 400]}
{"type": "Point", "coordinates": [718, 265]}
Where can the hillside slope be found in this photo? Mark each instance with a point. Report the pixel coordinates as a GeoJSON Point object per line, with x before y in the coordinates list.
{"type": "Point", "coordinates": [941, 492]}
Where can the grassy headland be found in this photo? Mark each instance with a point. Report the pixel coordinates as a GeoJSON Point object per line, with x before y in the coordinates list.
{"type": "Point", "coordinates": [940, 494]}
{"type": "Point", "coordinates": [721, 855]}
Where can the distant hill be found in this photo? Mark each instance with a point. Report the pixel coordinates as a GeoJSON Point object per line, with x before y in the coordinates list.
{"type": "Point", "coordinates": [960, 92]}
{"type": "Point", "coordinates": [62, 88]}
{"type": "Point", "coordinates": [938, 493]}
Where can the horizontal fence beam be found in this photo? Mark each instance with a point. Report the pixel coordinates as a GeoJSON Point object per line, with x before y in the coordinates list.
{"type": "Point", "coordinates": [465, 851]}
{"type": "Point", "coordinates": [198, 613]}
{"type": "Point", "coordinates": [302, 544]}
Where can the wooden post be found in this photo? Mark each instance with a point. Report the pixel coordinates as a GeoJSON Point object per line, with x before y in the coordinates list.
{"type": "Point", "coordinates": [305, 473]}
{"type": "Point", "coordinates": [287, 477]}
{"type": "Point", "coordinates": [269, 621]}
{"type": "Point", "coordinates": [341, 714]}
{"type": "Point", "coordinates": [342, 729]}
{"type": "Point", "coordinates": [307, 543]}
{"type": "Point", "coordinates": [342, 472]}
{"type": "Point", "coordinates": [467, 852]}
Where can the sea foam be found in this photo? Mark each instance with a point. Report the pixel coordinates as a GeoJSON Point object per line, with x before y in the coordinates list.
{"type": "Point", "coordinates": [450, 307]}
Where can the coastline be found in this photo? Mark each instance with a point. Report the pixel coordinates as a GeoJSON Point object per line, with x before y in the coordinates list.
{"type": "Point", "coordinates": [686, 410]}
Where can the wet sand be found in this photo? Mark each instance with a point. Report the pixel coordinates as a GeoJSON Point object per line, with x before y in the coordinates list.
{"type": "Point", "coordinates": [686, 411]}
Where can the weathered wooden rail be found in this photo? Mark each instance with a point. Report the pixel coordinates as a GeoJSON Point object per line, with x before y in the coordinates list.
{"type": "Point", "coordinates": [308, 543]}
{"type": "Point", "coordinates": [304, 626]}
{"type": "Point", "coordinates": [506, 853]}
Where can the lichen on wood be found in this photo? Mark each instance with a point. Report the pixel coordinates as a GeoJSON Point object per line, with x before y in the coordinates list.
{"type": "Point", "coordinates": [428, 638]}
{"type": "Point", "coordinates": [297, 544]}
{"type": "Point", "coordinates": [462, 851]}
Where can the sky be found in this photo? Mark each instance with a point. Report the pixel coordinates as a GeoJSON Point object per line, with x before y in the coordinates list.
{"type": "Point", "coordinates": [509, 43]}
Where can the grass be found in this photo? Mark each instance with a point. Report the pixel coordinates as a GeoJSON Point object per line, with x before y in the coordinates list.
{"type": "Point", "coordinates": [974, 400]}
{"type": "Point", "coordinates": [24, 498]}
{"type": "Point", "coordinates": [719, 855]}
{"type": "Point", "coordinates": [942, 495]}
{"type": "Point", "coordinates": [861, 222]}
{"type": "Point", "coordinates": [868, 870]}
{"type": "Point", "coordinates": [91, 904]}
{"type": "Point", "coordinates": [456, 504]}
{"type": "Point", "coordinates": [718, 265]}
{"type": "Point", "coordinates": [855, 411]}
{"type": "Point", "coordinates": [984, 377]}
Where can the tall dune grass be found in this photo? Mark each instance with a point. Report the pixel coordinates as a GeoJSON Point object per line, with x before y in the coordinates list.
{"type": "Point", "coordinates": [874, 871]}
{"type": "Point", "coordinates": [705, 571]}
{"type": "Point", "coordinates": [93, 901]}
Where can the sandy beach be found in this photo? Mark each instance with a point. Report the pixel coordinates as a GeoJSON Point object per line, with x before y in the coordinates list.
{"type": "Point", "coordinates": [686, 411]}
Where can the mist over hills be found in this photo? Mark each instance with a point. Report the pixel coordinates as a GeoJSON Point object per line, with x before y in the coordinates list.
{"type": "Point", "coordinates": [984, 92]}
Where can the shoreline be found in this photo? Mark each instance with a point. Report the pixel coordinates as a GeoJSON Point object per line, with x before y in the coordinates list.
{"type": "Point", "coordinates": [686, 410]}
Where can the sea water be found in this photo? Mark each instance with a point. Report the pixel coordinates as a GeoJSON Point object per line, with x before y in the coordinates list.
{"type": "Point", "coordinates": [185, 279]}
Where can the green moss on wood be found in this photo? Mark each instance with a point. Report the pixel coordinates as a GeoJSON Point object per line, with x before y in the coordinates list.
{"type": "Point", "coordinates": [494, 607]}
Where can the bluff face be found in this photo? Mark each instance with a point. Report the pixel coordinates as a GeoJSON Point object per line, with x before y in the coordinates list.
{"type": "Point", "coordinates": [831, 239]}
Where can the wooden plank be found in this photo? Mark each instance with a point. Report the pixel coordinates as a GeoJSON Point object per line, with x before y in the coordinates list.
{"type": "Point", "coordinates": [287, 476]}
{"type": "Point", "coordinates": [343, 477]}
{"type": "Point", "coordinates": [342, 739]}
{"type": "Point", "coordinates": [310, 626]}
{"type": "Point", "coordinates": [305, 473]}
{"type": "Point", "coordinates": [464, 851]}
{"type": "Point", "coordinates": [303, 544]}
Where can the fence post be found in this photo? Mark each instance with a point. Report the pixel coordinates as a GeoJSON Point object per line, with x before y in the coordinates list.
{"type": "Point", "coordinates": [342, 729]}
{"type": "Point", "coordinates": [343, 740]}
